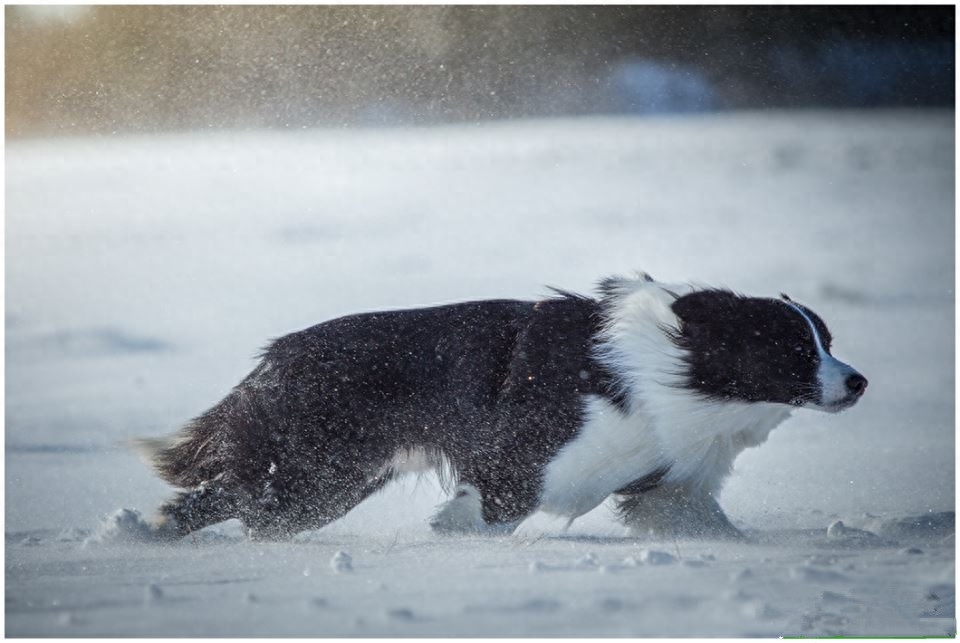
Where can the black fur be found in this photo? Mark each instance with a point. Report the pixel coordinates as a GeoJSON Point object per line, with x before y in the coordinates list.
{"type": "Point", "coordinates": [304, 437]}
{"type": "Point", "coordinates": [646, 483]}
{"type": "Point", "coordinates": [748, 348]}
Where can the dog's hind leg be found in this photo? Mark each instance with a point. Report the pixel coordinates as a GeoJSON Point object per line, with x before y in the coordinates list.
{"type": "Point", "coordinates": [485, 502]}
{"type": "Point", "coordinates": [285, 511]}
{"type": "Point", "coordinates": [463, 514]}
{"type": "Point", "coordinates": [194, 509]}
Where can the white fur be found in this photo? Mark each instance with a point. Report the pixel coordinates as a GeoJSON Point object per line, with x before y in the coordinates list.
{"type": "Point", "coordinates": [665, 424]}
{"type": "Point", "coordinates": [610, 451]}
{"type": "Point", "coordinates": [409, 461]}
{"type": "Point", "coordinates": [540, 523]}
{"type": "Point", "coordinates": [419, 461]}
{"type": "Point", "coordinates": [463, 514]}
{"type": "Point", "coordinates": [833, 376]}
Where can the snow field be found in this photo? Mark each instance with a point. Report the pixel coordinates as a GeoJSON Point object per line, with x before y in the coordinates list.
{"type": "Point", "coordinates": [143, 274]}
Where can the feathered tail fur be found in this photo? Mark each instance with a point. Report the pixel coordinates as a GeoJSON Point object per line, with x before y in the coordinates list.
{"type": "Point", "coordinates": [194, 455]}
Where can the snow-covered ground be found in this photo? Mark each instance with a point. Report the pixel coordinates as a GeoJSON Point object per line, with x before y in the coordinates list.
{"type": "Point", "coordinates": [143, 274]}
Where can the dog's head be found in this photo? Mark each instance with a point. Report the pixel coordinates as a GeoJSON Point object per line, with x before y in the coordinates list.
{"type": "Point", "coordinates": [761, 350]}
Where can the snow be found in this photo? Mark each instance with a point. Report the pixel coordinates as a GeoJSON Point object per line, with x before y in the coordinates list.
{"type": "Point", "coordinates": [122, 526]}
{"type": "Point", "coordinates": [341, 563]}
{"type": "Point", "coordinates": [656, 557]}
{"type": "Point", "coordinates": [144, 273]}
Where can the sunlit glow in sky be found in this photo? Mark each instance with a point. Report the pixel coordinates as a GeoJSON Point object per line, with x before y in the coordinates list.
{"type": "Point", "coordinates": [56, 13]}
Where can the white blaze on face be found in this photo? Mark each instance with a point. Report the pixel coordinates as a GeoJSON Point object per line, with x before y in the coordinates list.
{"type": "Point", "coordinates": [832, 374]}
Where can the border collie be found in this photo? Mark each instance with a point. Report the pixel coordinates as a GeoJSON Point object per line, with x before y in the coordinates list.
{"type": "Point", "coordinates": [538, 410]}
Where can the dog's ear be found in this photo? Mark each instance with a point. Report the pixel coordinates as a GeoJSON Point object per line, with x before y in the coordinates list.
{"type": "Point", "coordinates": [704, 305]}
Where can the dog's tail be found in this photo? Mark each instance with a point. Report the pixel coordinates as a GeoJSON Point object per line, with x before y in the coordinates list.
{"type": "Point", "coordinates": [197, 453]}
{"type": "Point", "coordinates": [169, 458]}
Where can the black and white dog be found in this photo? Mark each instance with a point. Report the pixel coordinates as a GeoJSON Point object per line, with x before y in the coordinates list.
{"type": "Point", "coordinates": [540, 410]}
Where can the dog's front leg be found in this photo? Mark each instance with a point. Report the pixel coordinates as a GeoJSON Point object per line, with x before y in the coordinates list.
{"type": "Point", "coordinates": [671, 511]}
{"type": "Point", "coordinates": [539, 524]}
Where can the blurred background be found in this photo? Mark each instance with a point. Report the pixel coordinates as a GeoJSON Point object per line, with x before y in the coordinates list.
{"type": "Point", "coordinates": [110, 69]}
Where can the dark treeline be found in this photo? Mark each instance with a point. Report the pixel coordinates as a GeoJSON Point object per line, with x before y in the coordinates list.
{"type": "Point", "coordinates": [143, 68]}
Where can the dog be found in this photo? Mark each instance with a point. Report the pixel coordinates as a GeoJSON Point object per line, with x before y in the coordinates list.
{"type": "Point", "coordinates": [537, 410]}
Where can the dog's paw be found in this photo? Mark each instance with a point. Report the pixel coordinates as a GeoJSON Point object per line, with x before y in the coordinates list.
{"type": "Point", "coordinates": [462, 514]}
{"type": "Point", "coordinates": [540, 524]}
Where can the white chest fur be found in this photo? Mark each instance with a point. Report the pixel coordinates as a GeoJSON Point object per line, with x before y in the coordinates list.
{"type": "Point", "coordinates": [613, 449]}
{"type": "Point", "coordinates": [701, 438]}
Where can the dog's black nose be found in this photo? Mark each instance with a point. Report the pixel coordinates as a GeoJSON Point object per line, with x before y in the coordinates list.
{"type": "Point", "coordinates": [856, 384]}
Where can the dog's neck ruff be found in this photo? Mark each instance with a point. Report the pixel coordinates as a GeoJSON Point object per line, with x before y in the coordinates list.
{"type": "Point", "coordinates": [699, 437]}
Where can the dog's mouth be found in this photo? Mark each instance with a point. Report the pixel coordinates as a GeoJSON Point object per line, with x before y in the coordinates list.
{"type": "Point", "coordinates": [841, 405]}
{"type": "Point", "coordinates": [844, 403]}
{"type": "Point", "coordinates": [833, 406]}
